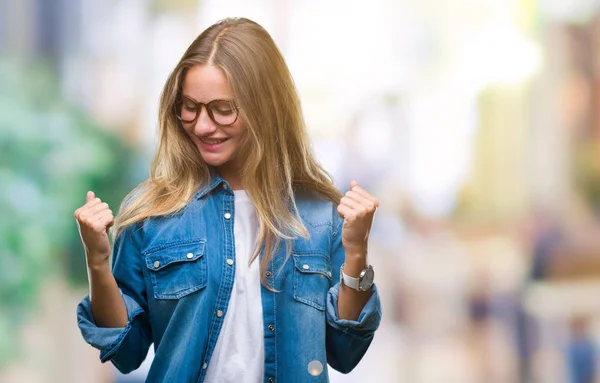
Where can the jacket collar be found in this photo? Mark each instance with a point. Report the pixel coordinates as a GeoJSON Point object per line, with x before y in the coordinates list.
{"type": "Point", "coordinates": [214, 181]}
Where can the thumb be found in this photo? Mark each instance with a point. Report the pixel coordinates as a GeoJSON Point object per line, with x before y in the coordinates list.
{"type": "Point", "coordinates": [353, 183]}
{"type": "Point", "coordinates": [90, 196]}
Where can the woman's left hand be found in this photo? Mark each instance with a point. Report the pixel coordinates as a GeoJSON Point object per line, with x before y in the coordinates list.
{"type": "Point", "coordinates": [357, 207]}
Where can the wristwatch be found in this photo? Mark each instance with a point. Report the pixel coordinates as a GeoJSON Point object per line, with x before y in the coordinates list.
{"type": "Point", "coordinates": [362, 283]}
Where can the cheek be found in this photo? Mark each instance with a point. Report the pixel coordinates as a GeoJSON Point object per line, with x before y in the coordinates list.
{"type": "Point", "coordinates": [237, 138]}
{"type": "Point", "coordinates": [186, 128]}
{"type": "Point", "coordinates": [237, 130]}
{"type": "Point", "coordinates": [189, 132]}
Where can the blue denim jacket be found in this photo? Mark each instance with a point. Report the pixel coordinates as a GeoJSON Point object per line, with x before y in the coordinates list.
{"type": "Point", "coordinates": [176, 275]}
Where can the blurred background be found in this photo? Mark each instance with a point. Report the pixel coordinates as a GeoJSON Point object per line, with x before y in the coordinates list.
{"type": "Point", "coordinates": [476, 123]}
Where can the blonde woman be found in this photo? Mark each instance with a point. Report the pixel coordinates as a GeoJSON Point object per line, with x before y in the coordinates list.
{"type": "Point", "coordinates": [237, 258]}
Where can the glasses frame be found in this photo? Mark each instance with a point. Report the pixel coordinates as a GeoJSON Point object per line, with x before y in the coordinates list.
{"type": "Point", "coordinates": [206, 105]}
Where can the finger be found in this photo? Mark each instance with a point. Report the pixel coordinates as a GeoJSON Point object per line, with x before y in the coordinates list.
{"type": "Point", "coordinates": [94, 210]}
{"type": "Point", "coordinates": [102, 214]}
{"type": "Point", "coordinates": [365, 194]}
{"type": "Point", "coordinates": [106, 219]}
{"type": "Point", "coordinates": [353, 183]}
{"type": "Point", "coordinates": [357, 188]}
{"type": "Point", "coordinates": [364, 201]}
{"type": "Point", "coordinates": [345, 212]}
{"type": "Point", "coordinates": [99, 223]}
{"type": "Point", "coordinates": [89, 211]}
{"type": "Point", "coordinates": [339, 212]}
{"type": "Point", "coordinates": [89, 196]}
{"type": "Point", "coordinates": [83, 210]}
{"type": "Point", "coordinates": [92, 203]}
{"type": "Point", "coordinates": [354, 205]}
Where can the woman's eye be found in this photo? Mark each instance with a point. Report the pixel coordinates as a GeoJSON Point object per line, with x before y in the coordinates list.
{"type": "Point", "coordinates": [190, 108]}
{"type": "Point", "coordinates": [221, 107]}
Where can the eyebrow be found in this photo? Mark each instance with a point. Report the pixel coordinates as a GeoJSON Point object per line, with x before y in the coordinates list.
{"type": "Point", "coordinates": [230, 99]}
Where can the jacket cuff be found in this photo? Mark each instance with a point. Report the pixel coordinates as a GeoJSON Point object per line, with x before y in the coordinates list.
{"type": "Point", "coordinates": [105, 339]}
{"type": "Point", "coordinates": [368, 319]}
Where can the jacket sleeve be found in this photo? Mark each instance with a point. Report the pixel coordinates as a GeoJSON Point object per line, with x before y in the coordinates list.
{"type": "Point", "coordinates": [346, 340]}
{"type": "Point", "coordinates": [125, 347]}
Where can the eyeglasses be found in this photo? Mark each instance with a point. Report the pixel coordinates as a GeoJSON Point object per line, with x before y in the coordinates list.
{"type": "Point", "coordinates": [221, 112]}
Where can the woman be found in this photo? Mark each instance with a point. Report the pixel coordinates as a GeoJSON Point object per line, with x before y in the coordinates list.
{"type": "Point", "coordinates": [228, 258]}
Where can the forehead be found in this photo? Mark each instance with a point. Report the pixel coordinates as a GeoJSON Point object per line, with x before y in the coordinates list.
{"type": "Point", "coordinates": [205, 83]}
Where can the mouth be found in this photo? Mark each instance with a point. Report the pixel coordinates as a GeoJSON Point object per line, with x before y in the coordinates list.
{"type": "Point", "coordinates": [212, 145]}
{"type": "Point", "coordinates": [212, 141]}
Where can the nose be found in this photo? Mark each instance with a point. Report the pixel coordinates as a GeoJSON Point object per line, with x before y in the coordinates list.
{"type": "Point", "coordinates": [204, 124]}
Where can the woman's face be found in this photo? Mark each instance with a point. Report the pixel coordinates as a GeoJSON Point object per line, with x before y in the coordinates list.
{"type": "Point", "coordinates": [218, 145]}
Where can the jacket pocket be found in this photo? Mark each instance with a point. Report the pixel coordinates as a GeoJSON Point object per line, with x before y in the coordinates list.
{"type": "Point", "coordinates": [312, 279]}
{"type": "Point", "coordinates": [177, 269]}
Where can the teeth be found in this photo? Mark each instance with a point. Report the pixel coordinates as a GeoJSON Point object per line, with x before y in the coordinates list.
{"type": "Point", "coordinates": [213, 142]}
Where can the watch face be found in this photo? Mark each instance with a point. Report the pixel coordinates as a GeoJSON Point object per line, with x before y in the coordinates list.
{"type": "Point", "coordinates": [367, 279]}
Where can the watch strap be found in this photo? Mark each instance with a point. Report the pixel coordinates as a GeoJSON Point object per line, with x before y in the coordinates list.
{"type": "Point", "coordinates": [353, 283]}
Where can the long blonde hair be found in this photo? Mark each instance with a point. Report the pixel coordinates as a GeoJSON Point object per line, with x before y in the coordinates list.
{"type": "Point", "coordinates": [278, 157]}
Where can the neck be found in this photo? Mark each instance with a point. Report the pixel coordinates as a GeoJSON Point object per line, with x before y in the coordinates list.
{"type": "Point", "coordinates": [232, 177]}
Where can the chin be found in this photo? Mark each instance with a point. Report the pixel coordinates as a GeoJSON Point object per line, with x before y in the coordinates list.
{"type": "Point", "coordinates": [212, 161]}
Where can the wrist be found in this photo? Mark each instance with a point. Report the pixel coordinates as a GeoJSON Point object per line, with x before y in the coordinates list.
{"type": "Point", "coordinates": [99, 266]}
{"type": "Point", "coordinates": [355, 250]}
{"type": "Point", "coordinates": [361, 283]}
{"type": "Point", "coordinates": [353, 266]}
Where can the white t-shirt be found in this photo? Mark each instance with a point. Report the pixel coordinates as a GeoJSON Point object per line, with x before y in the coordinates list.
{"type": "Point", "coordinates": [240, 350]}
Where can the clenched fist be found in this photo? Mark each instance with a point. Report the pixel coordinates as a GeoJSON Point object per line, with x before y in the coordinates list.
{"type": "Point", "coordinates": [357, 207]}
{"type": "Point", "coordinates": [93, 220]}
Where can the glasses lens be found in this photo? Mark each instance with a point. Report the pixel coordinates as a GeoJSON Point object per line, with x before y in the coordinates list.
{"type": "Point", "coordinates": [187, 110]}
{"type": "Point", "coordinates": [223, 112]}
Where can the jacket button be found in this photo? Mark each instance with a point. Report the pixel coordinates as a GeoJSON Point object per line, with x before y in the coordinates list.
{"type": "Point", "coordinates": [315, 368]}
{"type": "Point", "coordinates": [271, 328]}
{"type": "Point", "coordinates": [219, 313]}
{"type": "Point", "coordinates": [190, 255]}
{"type": "Point", "coordinates": [227, 215]}
{"type": "Point", "coordinates": [156, 264]}
{"type": "Point", "coordinates": [305, 267]}
{"type": "Point", "coordinates": [230, 262]}
{"type": "Point", "coordinates": [204, 366]}
{"type": "Point", "coordinates": [268, 274]}
{"type": "Point", "coordinates": [271, 380]}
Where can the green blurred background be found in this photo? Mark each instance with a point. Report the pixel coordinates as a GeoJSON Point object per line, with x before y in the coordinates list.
{"type": "Point", "coordinates": [475, 122]}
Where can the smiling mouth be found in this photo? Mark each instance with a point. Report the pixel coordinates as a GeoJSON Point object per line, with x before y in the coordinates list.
{"type": "Point", "coordinates": [213, 141]}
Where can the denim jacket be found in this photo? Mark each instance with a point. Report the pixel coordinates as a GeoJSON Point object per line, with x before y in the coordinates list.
{"type": "Point", "coordinates": [176, 275]}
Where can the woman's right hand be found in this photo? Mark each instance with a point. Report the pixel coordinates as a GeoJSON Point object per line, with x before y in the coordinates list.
{"type": "Point", "coordinates": [93, 220]}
